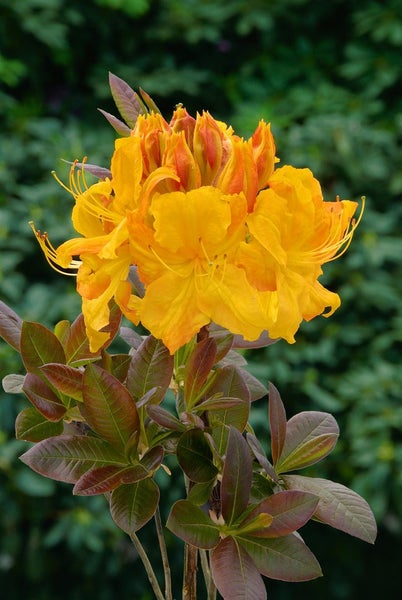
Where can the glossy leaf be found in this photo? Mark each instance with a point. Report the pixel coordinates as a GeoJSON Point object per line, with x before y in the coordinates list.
{"type": "Point", "coordinates": [218, 403]}
{"type": "Point", "coordinates": [10, 326]}
{"type": "Point", "coordinates": [43, 398]}
{"type": "Point", "coordinates": [289, 511]}
{"type": "Point", "coordinates": [67, 457]}
{"type": "Point", "coordinates": [260, 456]}
{"type": "Point", "coordinates": [190, 523]}
{"type": "Point", "coordinates": [236, 477]}
{"type": "Point", "coordinates": [233, 415]}
{"type": "Point", "coordinates": [229, 381]}
{"type": "Point", "coordinates": [108, 407]}
{"type": "Point", "coordinates": [277, 420]}
{"type": "Point", "coordinates": [310, 436]}
{"type": "Point", "coordinates": [153, 458]}
{"type": "Point", "coordinates": [68, 380]}
{"type": "Point", "coordinates": [134, 504]}
{"type": "Point", "coordinates": [164, 418]}
{"type": "Point", "coordinates": [261, 487]}
{"type": "Point", "coordinates": [39, 346]}
{"type": "Point", "coordinates": [61, 331]}
{"type": "Point", "coordinates": [100, 480]}
{"type": "Point", "coordinates": [338, 506]}
{"type": "Point", "coordinates": [119, 366]}
{"type": "Point", "coordinates": [150, 367]}
{"type": "Point", "coordinates": [235, 573]}
{"type": "Point", "coordinates": [198, 367]}
{"type": "Point", "coordinates": [195, 456]}
{"type": "Point", "coordinates": [286, 558]}
{"type": "Point", "coordinates": [32, 426]}
{"type": "Point", "coordinates": [200, 493]}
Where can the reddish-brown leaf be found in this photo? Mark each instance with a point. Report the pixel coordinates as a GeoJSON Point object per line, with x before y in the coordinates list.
{"type": "Point", "coordinates": [235, 573]}
{"type": "Point", "coordinates": [43, 398]}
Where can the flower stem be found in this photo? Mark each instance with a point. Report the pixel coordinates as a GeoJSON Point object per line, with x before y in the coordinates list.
{"type": "Point", "coordinates": [165, 559]}
{"type": "Point", "coordinates": [148, 567]}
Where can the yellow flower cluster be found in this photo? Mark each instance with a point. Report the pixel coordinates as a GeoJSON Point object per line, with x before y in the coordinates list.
{"type": "Point", "coordinates": [217, 234]}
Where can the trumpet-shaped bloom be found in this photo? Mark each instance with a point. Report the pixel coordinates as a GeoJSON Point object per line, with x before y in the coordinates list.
{"type": "Point", "coordinates": [215, 233]}
{"type": "Point", "coordinates": [293, 232]}
{"type": "Point", "coordinates": [187, 262]}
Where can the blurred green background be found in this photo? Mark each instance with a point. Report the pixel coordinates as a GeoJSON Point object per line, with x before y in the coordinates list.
{"type": "Point", "coordinates": [328, 75]}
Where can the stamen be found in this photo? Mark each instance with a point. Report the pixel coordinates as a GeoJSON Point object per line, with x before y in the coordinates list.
{"type": "Point", "coordinates": [210, 263]}
{"type": "Point", "coordinates": [168, 267]}
{"type": "Point", "coordinates": [51, 254]}
{"type": "Point", "coordinates": [332, 245]}
{"type": "Point", "coordinates": [79, 187]}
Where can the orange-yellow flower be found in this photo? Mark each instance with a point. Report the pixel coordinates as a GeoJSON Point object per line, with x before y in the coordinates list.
{"type": "Point", "coordinates": [293, 232]}
{"type": "Point", "coordinates": [216, 234]}
{"type": "Point", "coordinates": [186, 260]}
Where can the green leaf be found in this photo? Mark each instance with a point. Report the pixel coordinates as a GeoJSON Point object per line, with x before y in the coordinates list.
{"type": "Point", "coordinates": [10, 326]}
{"type": "Point", "coordinates": [150, 367]}
{"type": "Point", "coordinates": [338, 506]}
{"type": "Point", "coordinates": [32, 426]}
{"type": "Point", "coordinates": [234, 415]}
{"type": "Point", "coordinates": [43, 398]}
{"type": "Point", "coordinates": [61, 331]}
{"type": "Point", "coordinates": [289, 511]}
{"type": "Point", "coordinates": [277, 420]}
{"type": "Point", "coordinates": [200, 493]}
{"type": "Point", "coordinates": [235, 573]}
{"type": "Point", "coordinates": [133, 505]}
{"type": "Point", "coordinates": [310, 436]}
{"type": "Point", "coordinates": [67, 457]}
{"type": "Point", "coordinates": [190, 523]}
{"type": "Point", "coordinates": [198, 367]}
{"type": "Point", "coordinates": [108, 407]}
{"type": "Point", "coordinates": [68, 380]}
{"type": "Point", "coordinates": [195, 456]}
{"type": "Point", "coordinates": [127, 101]}
{"type": "Point", "coordinates": [39, 346]}
{"type": "Point", "coordinates": [286, 558]}
{"type": "Point", "coordinates": [236, 477]}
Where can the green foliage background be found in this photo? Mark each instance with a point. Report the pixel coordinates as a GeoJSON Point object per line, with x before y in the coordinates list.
{"type": "Point", "coordinates": [328, 75]}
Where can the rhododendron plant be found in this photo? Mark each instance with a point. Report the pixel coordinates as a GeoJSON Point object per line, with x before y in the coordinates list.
{"type": "Point", "coordinates": [202, 238]}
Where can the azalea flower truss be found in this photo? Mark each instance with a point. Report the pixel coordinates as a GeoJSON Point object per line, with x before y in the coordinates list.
{"type": "Point", "coordinates": [216, 234]}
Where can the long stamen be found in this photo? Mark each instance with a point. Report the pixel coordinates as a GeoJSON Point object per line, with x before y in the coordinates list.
{"type": "Point", "coordinates": [93, 203]}
{"type": "Point", "coordinates": [51, 254]}
{"type": "Point", "coordinates": [168, 267]}
{"type": "Point", "coordinates": [332, 248]}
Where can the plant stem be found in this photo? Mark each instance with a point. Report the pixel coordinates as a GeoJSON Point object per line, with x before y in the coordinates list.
{"type": "Point", "coordinates": [190, 572]}
{"type": "Point", "coordinates": [148, 567]}
{"type": "Point", "coordinates": [209, 582]}
{"type": "Point", "coordinates": [165, 558]}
